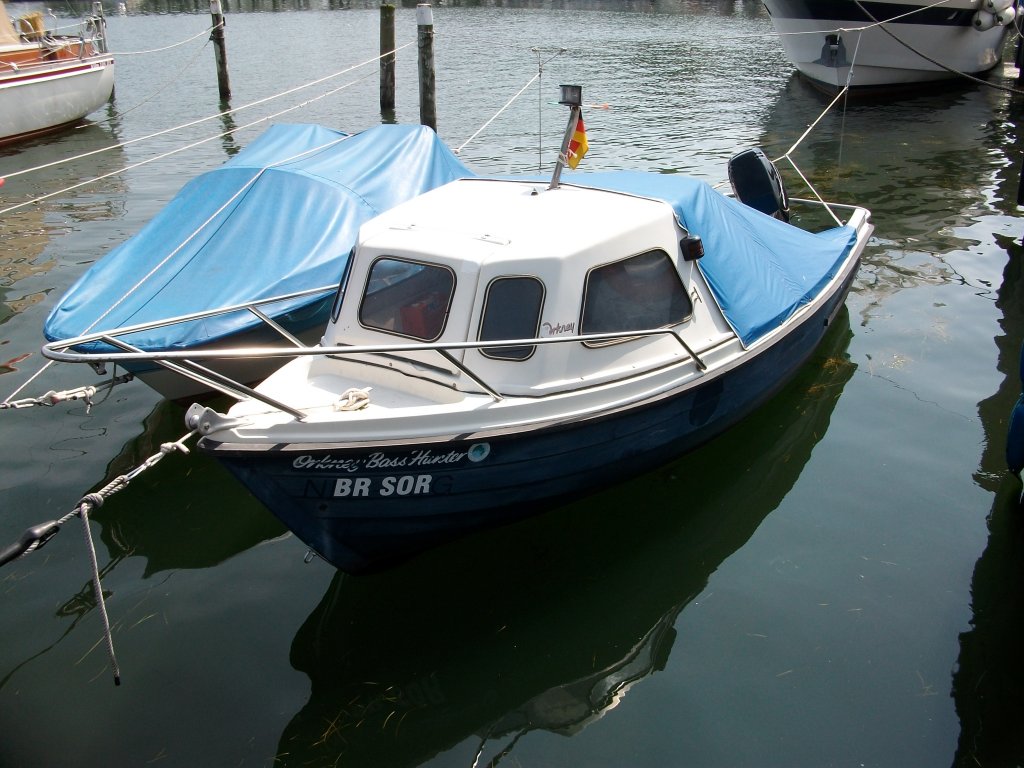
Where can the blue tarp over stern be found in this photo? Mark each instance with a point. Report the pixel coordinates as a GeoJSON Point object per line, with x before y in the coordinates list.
{"type": "Point", "coordinates": [761, 270]}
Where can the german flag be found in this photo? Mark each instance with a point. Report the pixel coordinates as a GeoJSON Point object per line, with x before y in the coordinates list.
{"type": "Point", "coordinates": [577, 144]}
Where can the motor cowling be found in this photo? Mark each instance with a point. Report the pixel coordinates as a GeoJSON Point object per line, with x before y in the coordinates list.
{"type": "Point", "coordinates": [756, 182]}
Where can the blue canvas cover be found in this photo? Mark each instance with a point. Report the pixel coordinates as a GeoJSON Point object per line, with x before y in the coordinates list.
{"type": "Point", "coordinates": [279, 217]}
{"type": "Point", "coordinates": [761, 270]}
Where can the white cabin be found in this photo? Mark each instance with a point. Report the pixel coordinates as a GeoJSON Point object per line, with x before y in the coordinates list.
{"type": "Point", "coordinates": [488, 259]}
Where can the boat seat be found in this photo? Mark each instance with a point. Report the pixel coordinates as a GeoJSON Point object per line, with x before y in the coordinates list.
{"type": "Point", "coordinates": [424, 319]}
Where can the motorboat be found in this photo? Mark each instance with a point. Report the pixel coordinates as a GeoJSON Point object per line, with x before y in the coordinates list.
{"type": "Point", "coordinates": [261, 239]}
{"type": "Point", "coordinates": [498, 344]}
{"type": "Point", "coordinates": [49, 80]}
{"type": "Point", "coordinates": [891, 43]}
{"type": "Point", "coordinates": [582, 605]}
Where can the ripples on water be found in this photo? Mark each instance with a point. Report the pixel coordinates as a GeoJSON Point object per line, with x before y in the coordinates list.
{"type": "Point", "coordinates": [818, 587]}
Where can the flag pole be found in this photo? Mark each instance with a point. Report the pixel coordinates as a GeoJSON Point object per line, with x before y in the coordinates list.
{"type": "Point", "coordinates": [572, 97]}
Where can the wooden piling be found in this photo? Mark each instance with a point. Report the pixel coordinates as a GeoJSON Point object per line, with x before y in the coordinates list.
{"type": "Point", "coordinates": [425, 46]}
{"type": "Point", "coordinates": [220, 50]}
{"type": "Point", "coordinates": [387, 60]}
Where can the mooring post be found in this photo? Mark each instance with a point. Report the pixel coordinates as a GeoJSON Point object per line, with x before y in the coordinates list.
{"type": "Point", "coordinates": [425, 44]}
{"type": "Point", "coordinates": [387, 57]}
{"type": "Point", "coordinates": [220, 50]}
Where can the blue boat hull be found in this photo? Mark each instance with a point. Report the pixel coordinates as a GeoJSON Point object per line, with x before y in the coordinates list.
{"type": "Point", "coordinates": [364, 507]}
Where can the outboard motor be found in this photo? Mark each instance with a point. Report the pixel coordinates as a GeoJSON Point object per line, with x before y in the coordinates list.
{"type": "Point", "coordinates": [756, 181]}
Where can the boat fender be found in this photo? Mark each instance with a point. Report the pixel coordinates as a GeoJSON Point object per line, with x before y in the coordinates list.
{"type": "Point", "coordinates": [756, 182]}
{"type": "Point", "coordinates": [1006, 16]}
{"type": "Point", "coordinates": [692, 247]}
{"type": "Point", "coordinates": [983, 20]}
{"type": "Point", "coordinates": [995, 6]}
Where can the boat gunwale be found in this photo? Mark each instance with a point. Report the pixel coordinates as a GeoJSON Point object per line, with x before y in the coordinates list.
{"type": "Point", "coordinates": [62, 351]}
{"type": "Point", "coordinates": [677, 386]}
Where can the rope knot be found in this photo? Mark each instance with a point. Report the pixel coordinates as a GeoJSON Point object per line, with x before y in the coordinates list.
{"type": "Point", "coordinates": [166, 448]}
{"type": "Point", "coordinates": [353, 400]}
{"type": "Point", "coordinates": [95, 500]}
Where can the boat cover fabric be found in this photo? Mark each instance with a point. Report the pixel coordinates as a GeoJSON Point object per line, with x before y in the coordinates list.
{"type": "Point", "coordinates": [280, 217]}
{"type": "Point", "coordinates": [761, 270]}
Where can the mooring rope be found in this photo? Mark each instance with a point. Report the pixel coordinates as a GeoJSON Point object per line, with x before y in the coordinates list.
{"type": "Point", "coordinates": [95, 500]}
{"type": "Point", "coordinates": [52, 398]}
{"type": "Point", "coordinates": [35, 537]}
{"type": "Point", "coordinates": [980, 81]}
{"type": "Point", "coordinates": [540, 71]}
{"type": "Point", "coordinates": [199, 121]}
{"type": "Point", "coordinates": [787, 154]}
{"type": "Point", "coordinates": [31, 378]}
{"type": "Point", "coordinates": [206, 31]}
{"type": "Point", "coordinates": [194, 144]}
{"type": "Point", "coordinates": [172, 79]}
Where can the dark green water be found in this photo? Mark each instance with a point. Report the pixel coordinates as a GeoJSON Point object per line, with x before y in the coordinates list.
{"type": "Point", "coordinates": [835, 582]}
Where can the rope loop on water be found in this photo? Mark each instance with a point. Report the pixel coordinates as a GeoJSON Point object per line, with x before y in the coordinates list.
{"type": "Point", "coordinates": [97, 585]}
{"type": "Point", "coordinates": [35, 537]}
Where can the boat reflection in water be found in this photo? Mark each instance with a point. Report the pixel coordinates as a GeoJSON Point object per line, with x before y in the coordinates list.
{"type": "Point", "coordinates": [547, 623]}
{"type": "Point", "coordinates": [988, 681]}
{"type": "Point", "coordinates": [26, 229]}
{"type": "Point", "coordinates": [173, 525]}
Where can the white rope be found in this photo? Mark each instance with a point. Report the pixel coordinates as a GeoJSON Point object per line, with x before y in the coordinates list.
{"type": "Point", "coordinates": [540, 70]}
{"type": "Point", "coordinates": [507, 105]}
{"type": "Point", "coordinates": [96, 500]}
{"type": "Point", "coordinates": [176, 151]}
{"type": "Point", "coordinates": [32, 378]}
{"type": "Point", "coordinates": [173, 78]}
{"type": "Point", "coordinates": [206, 31]}
{"type": "Point", "coordinates": [97, 588]}
{"type": "Point", "coordinates": [37, 536]}
{"type": "Point", "coordinates": [811, 127]}
{"type": "Point", "coordinates": [787, 154]}
{"type": "Point", "coordinates": [189, 125]}
{"type": "Point", "coordinates": [353, 399]}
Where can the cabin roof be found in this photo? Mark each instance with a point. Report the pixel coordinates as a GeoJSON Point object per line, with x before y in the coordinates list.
{"type": "Point", "coordinates": [761, 270]}
{"type": "Point", "coordinates": [527, 217]}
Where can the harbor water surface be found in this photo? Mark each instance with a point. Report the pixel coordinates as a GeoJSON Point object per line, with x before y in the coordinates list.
{"type": "Point", "coordinates": [835, 582]}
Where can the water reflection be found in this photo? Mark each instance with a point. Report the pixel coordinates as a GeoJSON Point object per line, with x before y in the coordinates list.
{"type": "Point", "coordinates": [546, 624]}
{"type": "Point", "coordinates": [183, 513]}
{"type": "Point", "coordinates": [988, 682]}
{"type": "Point", "coordinates": [920, 164]}
{"type": "Point", "coordinates": [724, 7]}
{"type": "Point", "coordinates": [26, 231]}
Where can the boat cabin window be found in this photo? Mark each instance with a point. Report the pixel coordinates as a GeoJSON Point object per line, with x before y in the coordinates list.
{"type": "Point", "coordinates": [512, 311]}
{"type": "Point", "coordinates": [408, 298]}
{"type": "Point", "coordinates": [640, 293]}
